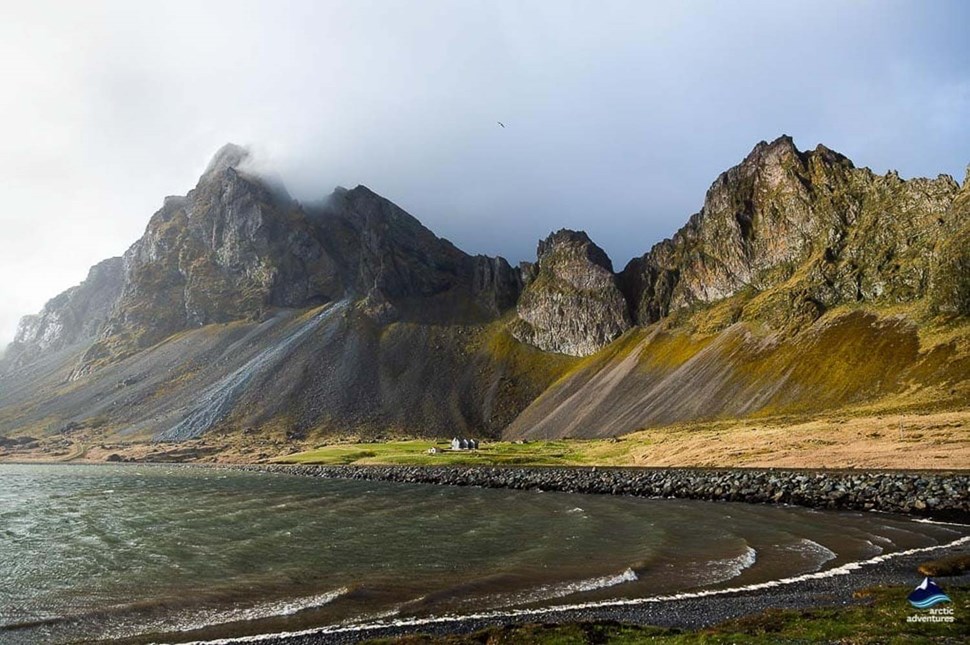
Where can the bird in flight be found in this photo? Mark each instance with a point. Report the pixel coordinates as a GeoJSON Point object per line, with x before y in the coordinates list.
{"type": "Point", "coordinates": [500, 123]}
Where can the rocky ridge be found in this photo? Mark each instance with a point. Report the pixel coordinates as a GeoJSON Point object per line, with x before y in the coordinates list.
{"type": "Point", "coordinates": [784, 239]}
{"type": "Point", "coordinates": [799, 233]}
{"type": "Point", "coordinates": [75, 316]}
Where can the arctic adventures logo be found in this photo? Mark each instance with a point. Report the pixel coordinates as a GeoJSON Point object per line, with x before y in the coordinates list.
{"type": "Point", "coordinates": [926, 596]}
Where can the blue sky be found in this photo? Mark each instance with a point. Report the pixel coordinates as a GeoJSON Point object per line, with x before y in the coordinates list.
{"type": "Point", "coordinates": [619, 115]}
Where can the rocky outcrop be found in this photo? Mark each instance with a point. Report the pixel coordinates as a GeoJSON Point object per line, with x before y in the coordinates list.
{"type": "Point", "coordinates": [72, 317]}
{"type": "Point", "coordinates": [572, 304]}
{"type": "Point", "coordinates": [805, 231]}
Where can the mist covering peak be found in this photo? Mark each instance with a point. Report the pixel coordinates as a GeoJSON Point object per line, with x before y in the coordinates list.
{"type": "Point", "coordinates": [228, 156]}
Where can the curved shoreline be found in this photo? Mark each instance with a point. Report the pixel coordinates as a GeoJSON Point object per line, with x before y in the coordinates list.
{"type": "Point", "coordinates": [838, 490]}
{"type": "Point", "coordinates": [943, 496]}
{"type": "Point", "coordinates": [938, 495]}
{"type": "Point", "coordinates": [688, 610]}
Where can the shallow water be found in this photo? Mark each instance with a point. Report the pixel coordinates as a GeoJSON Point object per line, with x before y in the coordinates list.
{"type": "Point", "coordinates": [123, 551]}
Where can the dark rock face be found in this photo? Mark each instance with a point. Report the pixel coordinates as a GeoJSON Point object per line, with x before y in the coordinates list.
{"type": "Point", "coordinates": [495, 283]}
{"type": "Point", "coordinates": [388, 255]}
{"type": "Point", "coordinates": [74, 316]}
{"type": "Point", "coordinates": [237, 246]}
{"type": "Point", "coordinates": [807, 226]}
{"type": "Point", "coordinates": [572, 304]}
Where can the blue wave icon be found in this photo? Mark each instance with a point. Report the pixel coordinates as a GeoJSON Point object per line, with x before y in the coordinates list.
{"type": "Point", "coordinates": [927, 594]}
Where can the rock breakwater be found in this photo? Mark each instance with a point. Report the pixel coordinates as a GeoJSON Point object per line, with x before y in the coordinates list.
{"type": "Point", "coordinates": [938, 495]}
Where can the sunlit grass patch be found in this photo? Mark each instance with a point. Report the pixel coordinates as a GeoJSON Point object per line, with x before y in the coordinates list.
{"type": "Point", "coordinates": [415, 452]}
{"type": "Point", "coordinates": [880, 617]}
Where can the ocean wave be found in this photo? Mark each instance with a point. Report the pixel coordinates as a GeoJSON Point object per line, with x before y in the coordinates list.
{"type": "Point", "coordinates": [874, 548]}
{"type": "Point", "coordinates": [119, 625]}
{"type": "Point", "coordinates": [819, 554]}
{"type": "Point", "coordinates": [717, 571]}
{"type": "Point", "coordinates": [200, 619]}
{"type": "Point", "coordinates": [559, 590]}
{"type": "Point", "coordinates": [841, 570]}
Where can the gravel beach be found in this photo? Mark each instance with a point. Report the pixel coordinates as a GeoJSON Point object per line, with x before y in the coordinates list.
{"type": "Point", "coordinates": [833, 589]}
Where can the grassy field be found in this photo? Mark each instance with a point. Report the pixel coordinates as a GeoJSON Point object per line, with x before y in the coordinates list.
{"type": "Point", "coordinates": [415, 452]}
{"type": "Point", "coordinates": [861, 437]}
{"type": "Point", "coordinates": [881, 620]}
{"type": "Point", "coordinates": [921, 441]}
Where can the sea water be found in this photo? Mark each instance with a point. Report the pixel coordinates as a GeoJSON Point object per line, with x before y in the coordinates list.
{"type": "Point", "coordinates": [172, 553]}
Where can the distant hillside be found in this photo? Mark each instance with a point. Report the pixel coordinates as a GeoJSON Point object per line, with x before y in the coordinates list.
{"type": "Point", "coordinates": [804, 284]}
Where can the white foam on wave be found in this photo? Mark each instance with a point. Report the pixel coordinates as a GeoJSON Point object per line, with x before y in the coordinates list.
{"type": "Point", "coordinates": [194, 619]}
{"type": "Point", "coordinates": [925, 520]}
{"type": "Point", "coordinates": [875, 548]}
{"type": "Point", "coordinates": [717, 571]}
{"type": "Point", "coordinates": [818, 553]}
{"type": "Point", "coordinates": [561, 590]}
{"type": "Point", "coordinates": [200, 619]}
{"type": "Point", "coordinates": [841, 570]}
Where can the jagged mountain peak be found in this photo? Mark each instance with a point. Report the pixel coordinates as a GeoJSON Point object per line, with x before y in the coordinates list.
{"type": "Point", "coordinates": [766, 151]}
{"type": "Point", "coordinates": [802, 231]}
{"type": "Point", "coordinates": [381, 222]}
{"type": "Point", "coordinates": [232, 170]}
{"type": "Point", "coordinates": [576, 242]}
{"type": "Point", "coordinates": [74, 316]}
{"type": "Point", "coordinates": [237, 246]}
{"type": "Point", "coordinates": [782, 152]}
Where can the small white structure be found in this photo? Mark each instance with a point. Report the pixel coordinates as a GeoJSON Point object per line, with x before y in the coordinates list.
{"type": "Point", "coordinates": [433, 450]}
{"type": "Point", "coordinates": [460, 443]}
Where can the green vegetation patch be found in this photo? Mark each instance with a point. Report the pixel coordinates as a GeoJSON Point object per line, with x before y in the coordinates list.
{"type": "Point", "coordinates": [953, 565]}
{"type": "Point", "coordinates": [415, 452]}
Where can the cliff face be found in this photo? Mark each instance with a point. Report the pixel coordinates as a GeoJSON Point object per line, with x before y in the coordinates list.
{"type": "Point", "coordinates": [387, 254]}
{"type": "Point", "coordinates": [950, 259]}
{"type": "Point", "coordinates": [223, 252]}
{"type": "Point", "coordinates": [572, 304]}
{"type": "Point", "coordinates": [73, 317]}
{"type": "Point", "coordinates": [805, 231]}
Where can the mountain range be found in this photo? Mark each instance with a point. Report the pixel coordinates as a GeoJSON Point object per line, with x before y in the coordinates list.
{"type": "Point", "coordinates": [804, 284]}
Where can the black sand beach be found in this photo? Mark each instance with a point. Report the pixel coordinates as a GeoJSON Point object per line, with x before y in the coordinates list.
{"type": "Point", "coordinates": [685, 613]}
